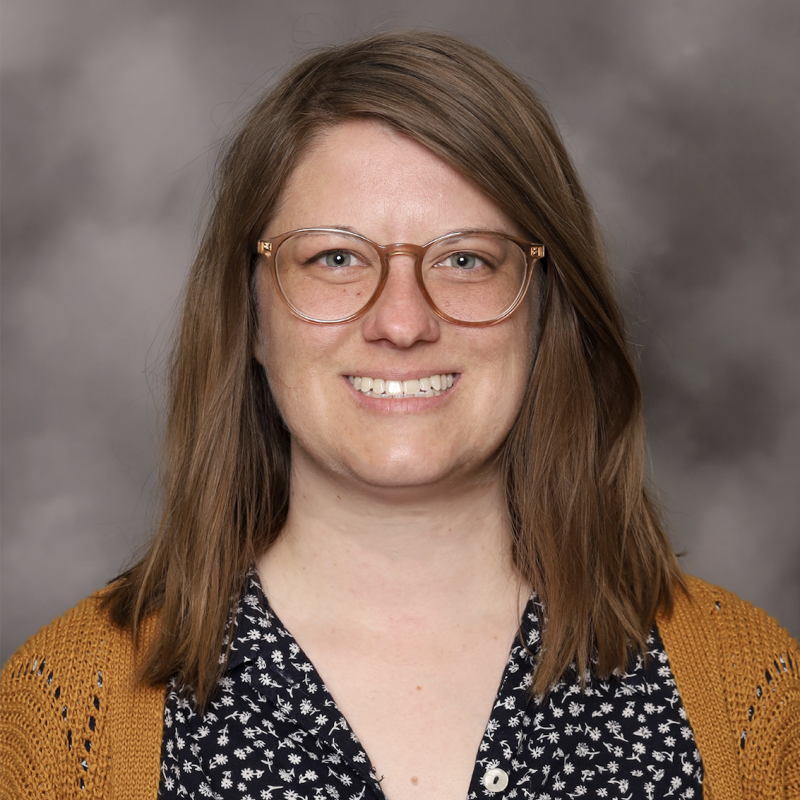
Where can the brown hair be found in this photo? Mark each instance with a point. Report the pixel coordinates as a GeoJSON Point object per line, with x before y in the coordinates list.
{"type": "Point", "coordinates": [586, 534]}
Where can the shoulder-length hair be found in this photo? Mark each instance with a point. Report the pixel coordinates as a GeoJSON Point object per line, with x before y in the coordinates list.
{"type": "Point", "coordinates": [586, 534]}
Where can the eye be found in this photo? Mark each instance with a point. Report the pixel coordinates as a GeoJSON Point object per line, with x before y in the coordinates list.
{"type": "Point", "coordinates": [337, 258]}
{"type": "Point", "coordinates": [465, 261]}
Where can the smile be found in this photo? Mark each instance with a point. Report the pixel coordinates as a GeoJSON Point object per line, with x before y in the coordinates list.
{"type": "Point", "coordinates": [431, 386]}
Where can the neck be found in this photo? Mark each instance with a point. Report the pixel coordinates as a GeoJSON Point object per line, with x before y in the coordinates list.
{"type": "Point", "coordinates": [370, 553]}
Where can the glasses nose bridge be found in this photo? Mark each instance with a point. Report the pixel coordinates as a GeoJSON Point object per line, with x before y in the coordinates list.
{"type": "Point", "coordinates": [402, 249]}
{"type": "Point", "coordinates": [416, 253]}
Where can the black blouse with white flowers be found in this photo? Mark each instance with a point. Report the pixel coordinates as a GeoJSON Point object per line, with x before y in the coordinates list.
{"type": "Point", "coordinates": [273, 731]}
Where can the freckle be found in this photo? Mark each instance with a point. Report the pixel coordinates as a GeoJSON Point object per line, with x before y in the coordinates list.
{"type": "Point", "coordinates": [419, 688]}
{"type": "Point", "coordinates": [414, 778]}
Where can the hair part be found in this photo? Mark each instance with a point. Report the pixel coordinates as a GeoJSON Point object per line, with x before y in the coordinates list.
{"type": "Point", "coordinates": [586, 532]}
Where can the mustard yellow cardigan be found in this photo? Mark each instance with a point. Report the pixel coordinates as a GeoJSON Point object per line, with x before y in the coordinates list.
{"type": "Point", "coordinates": [74, 724]}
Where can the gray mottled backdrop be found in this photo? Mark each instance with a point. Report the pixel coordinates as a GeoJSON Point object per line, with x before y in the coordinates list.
{"type": "Point", "coordinates": [684, 118]}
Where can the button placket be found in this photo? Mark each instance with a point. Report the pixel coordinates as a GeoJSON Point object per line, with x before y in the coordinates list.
{"type": "Point", "coordinates": [496, 769]}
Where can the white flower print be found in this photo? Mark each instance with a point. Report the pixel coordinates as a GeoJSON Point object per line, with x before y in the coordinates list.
{"type": "Point", "coordinates": [306, 706]}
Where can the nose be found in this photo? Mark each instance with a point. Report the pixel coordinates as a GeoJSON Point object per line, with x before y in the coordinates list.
{"type": "Point", "coordinates": [401, 315]}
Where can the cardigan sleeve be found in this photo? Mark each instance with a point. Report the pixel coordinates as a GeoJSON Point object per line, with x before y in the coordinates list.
{"type": "Point", "coordinates": [68, 703]}
{"type": "Point", "coordinates": [738, 674]}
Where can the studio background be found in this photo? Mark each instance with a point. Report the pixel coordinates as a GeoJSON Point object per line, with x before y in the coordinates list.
{"type": "Point", "coordinates": [684, 120]}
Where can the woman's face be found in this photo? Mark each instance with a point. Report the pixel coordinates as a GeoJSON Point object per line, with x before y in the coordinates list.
{"type": "Point", "coordinates": [366, 177]}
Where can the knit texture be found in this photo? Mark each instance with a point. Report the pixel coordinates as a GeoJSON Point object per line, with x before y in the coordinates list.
{"type": "Point", "coordinates": [74, 724]}
{"type": "Point", "coordinates": [738, 674]}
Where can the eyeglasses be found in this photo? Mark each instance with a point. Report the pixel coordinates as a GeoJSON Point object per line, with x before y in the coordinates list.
{"type": "Point", "coordinates": [472, 278]}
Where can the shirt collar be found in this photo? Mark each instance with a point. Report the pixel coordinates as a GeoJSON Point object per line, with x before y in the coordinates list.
{"type": "Point", "coordinates": [251, 619]}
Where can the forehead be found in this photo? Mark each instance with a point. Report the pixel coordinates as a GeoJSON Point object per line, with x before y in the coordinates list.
{"type": "Point", "coordinates": [365, 175]}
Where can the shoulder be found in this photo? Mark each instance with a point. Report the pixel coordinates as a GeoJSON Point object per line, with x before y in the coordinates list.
{"type": "Point", "coordinates": [70, 651]}
{"type": "Point", "coordinates": [66, 694]}
{"type": "Point", "coordinates": [738, 674]}
{"type": "Point", "coordinates": [743, 636]}
{"type": "Point", "coordinates": [736, 623]}
{"type": "Point", "coordinates": [87, 620]}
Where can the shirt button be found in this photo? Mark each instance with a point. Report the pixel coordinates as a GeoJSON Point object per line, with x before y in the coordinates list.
{"type": "Point", "coordinates": [495, 780]}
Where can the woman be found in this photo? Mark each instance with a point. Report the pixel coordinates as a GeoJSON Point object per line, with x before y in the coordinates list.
{"type": "Point", "coordinates": [397, 476]}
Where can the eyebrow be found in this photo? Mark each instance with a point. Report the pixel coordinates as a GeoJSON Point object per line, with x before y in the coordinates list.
{"type": "Point", "coordinates": [343, 228]}
{"type": "Point", "coordinates": [480, 229]}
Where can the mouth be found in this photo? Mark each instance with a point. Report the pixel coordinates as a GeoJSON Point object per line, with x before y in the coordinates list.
{"type": "Point", "coordinates": [428, 386]}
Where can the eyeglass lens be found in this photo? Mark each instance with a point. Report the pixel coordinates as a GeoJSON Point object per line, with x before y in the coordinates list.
{"type": "Point", "coordinates": [330, 276]}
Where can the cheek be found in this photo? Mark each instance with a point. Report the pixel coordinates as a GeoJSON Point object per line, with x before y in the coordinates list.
{"type": "Point", "coordinates": [281, 358]}
{"type": "Point", "coordinates": [276, 344]}
{"type": "Point", "coordinates": [528, 332]}
{"type": "Point", "coordinates": [295, 354]}
{"type": "Point", "coordinates": [273, 347]}
{"type": "Point", "coordinates": [513, 358]}
{"type": "Point", "coordinates": [263, 295]}
{"type": "Point", "coordinates": [517, 347]}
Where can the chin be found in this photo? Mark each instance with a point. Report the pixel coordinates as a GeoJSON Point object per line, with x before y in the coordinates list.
{"type": "Point", "coordinates": [404, 470]}
{"type": "Point", "coordinates": [398, 479]}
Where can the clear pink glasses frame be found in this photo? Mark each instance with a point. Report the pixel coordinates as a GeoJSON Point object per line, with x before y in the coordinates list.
{"type": "Point", "coordinates": [533, 252]}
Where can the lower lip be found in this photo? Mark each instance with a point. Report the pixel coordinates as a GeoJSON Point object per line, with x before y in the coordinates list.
{"type": "Point", "coordinates": [400, 404]}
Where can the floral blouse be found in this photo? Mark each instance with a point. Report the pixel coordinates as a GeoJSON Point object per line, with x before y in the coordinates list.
{"type": "Point", "coordinates": [273, 730]}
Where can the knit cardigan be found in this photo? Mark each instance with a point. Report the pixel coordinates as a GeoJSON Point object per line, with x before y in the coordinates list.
{"type": "Point", "coordinates": [75, 724]}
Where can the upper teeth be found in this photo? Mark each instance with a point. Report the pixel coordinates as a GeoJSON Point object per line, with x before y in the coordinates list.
{"type": "Point", "coordinates": [432, 386]}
